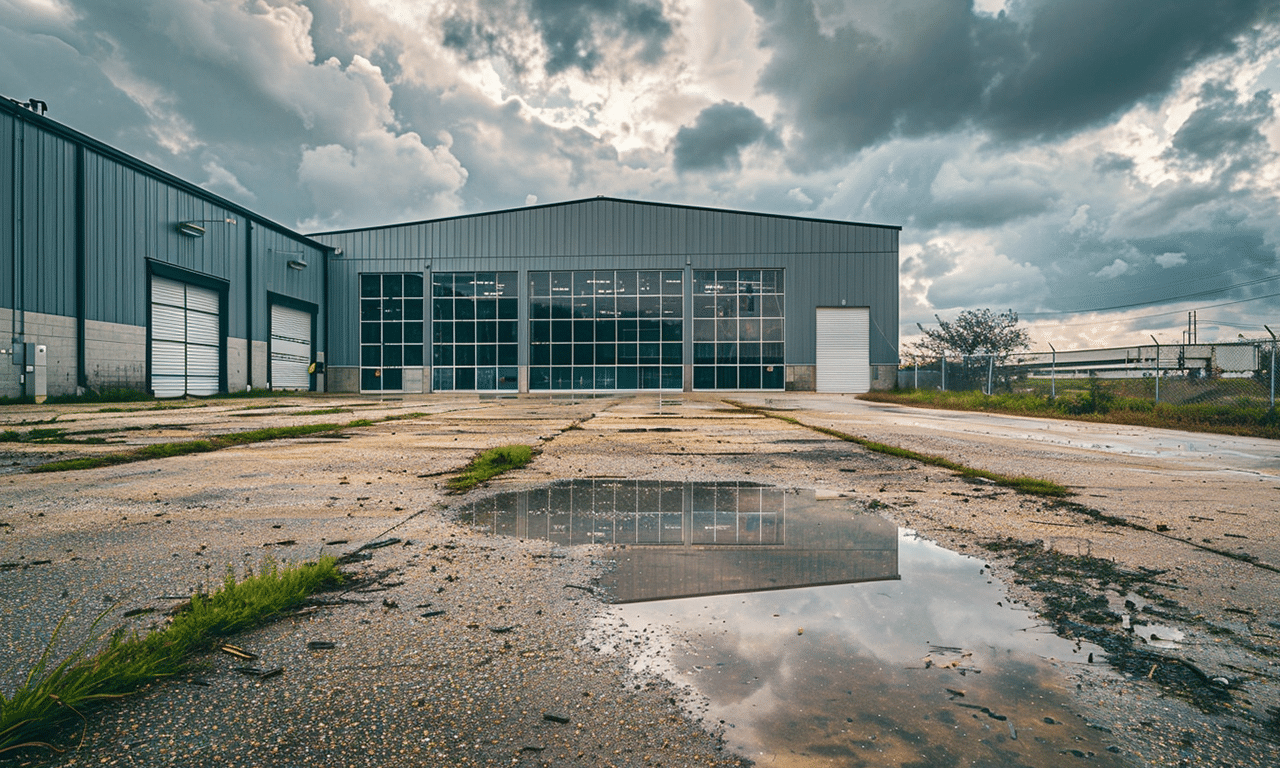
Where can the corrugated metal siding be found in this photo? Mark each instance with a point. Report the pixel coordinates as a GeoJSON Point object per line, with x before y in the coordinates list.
{"type": "Point", "coordinates": [825, 262]}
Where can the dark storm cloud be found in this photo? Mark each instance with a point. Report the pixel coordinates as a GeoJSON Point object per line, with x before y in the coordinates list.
{"type": "Point", "coordinates": [716, 138]}
{"type": "Point", "coordinates": [1046, 68]}
{"type": "Point", "coordinates": [571, 29]}
{"type": "Point", "coordinates": [1221, 127]}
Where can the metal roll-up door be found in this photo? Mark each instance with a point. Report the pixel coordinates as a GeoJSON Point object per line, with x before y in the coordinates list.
{"type": "Point", "coordinates": [844, 349]}
{"type": "Point", "coordinates": [186, 339]}
{"type": "Point", "coordinates": [290, 348]}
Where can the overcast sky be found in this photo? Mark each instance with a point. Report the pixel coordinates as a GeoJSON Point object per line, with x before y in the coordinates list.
{"type": "Point", "coordinates": [1049, 156]}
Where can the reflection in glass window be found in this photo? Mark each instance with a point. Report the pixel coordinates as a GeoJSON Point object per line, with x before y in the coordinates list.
{"type": "Point", "coordinates": [391, 315]}
{"type": "Point", "coordinates": [606, 329]}
{"type": "Point", "coordinates": [475, 328]}
{"type": "Point", "coordinates": [738, 329]}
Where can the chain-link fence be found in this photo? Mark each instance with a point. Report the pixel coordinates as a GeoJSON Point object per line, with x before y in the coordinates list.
{"type": "Point", "coordinates": [1240, 374]}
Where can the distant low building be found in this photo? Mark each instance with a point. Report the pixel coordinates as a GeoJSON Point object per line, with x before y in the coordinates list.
{"type": "Point", "coordinates": [114, 273]}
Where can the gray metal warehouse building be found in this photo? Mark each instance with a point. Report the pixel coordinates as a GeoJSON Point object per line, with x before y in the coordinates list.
{"type": "Point", "coordinates": [114, 273]}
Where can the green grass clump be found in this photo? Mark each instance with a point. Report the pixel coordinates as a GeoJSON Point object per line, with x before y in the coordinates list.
{"type": "Point", "coordinates": [1029, 485]}
{"type": "Point", "coordinates": [1106, 403]}
{"type": "Point", "coordinates": [167, 450]}
{"type": "Point", "coordinates": [490, 463]}
{"type": "Point", "coordinates": [51, 695]}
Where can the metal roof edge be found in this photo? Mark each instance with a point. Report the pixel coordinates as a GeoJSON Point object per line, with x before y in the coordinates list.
{"type": "Point", "coordinates": [602, 198]}
{"type": "Point", "coordinates": [21, 112]}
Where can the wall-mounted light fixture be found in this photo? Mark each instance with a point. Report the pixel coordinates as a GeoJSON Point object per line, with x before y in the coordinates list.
{"type": "Point", "coordinates": [194, 228]}
{"type": "Point", "coordinates": [296, 262]}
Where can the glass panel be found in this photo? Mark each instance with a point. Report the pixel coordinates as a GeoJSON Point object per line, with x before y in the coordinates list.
{"type": "Point", "coordinates": [561, 307]}
{"type": "Point", "coordinates": [413, 286]}
{"type": "Point", "coordinates": [371, 356]}
{"type": "Point", "coordinates": [392, 286]}
{"type": "Point", "coordinates": [726, 377]}
{"type": "Point", "coordinates": [486, 378]}
{"type": "Point", "coordinates": [539, 378]}
{"type": "Point", "coordinates": [370, 286]}
{"type": "Point", "coordinates": [704, 330]}
{"type": "Point", "coordinates": [392, 356]}
{"type": "Point", "coordinates": [464, 284]}
{"type": "Point", "coordinates": [486, 284]}
{"type": "Point", "coordinates": [370, 333]}
{"type": "Point", "coordinates": [603, 285]}
{"type": "Point", "coordinates": [606, 354]}
{"type": "Point", "coordinates": [539, 283]}
{"type": "Point", "coordinates": [413, 309]}
{"type": "Point", "coordinates": [627, 378]}
{"type": "Point", "coordinates": [540, 332]}
{"type": "Point", "coordinates": [672, 283]}
{"type": "Point", "coordinates": [442, 284]}
{"type": "Point", "coordinates": [606, 378]}
{"type": "Point", "coordinates": [413, 333]}
{"type": "Point", "coordinates": [749, 330]}
{"type": "Point", "coordinates": [371, 310]}
{"type": "Point", "coordinates": [584, 330]}
{"type": "Point", "coordinates": [561, 331]}
{"type": "Point", "coordinates": [650, 283]}
{"type": "Point", "coordinates": [749, 354]}
{"type": "Point", "coordinates": [606, 330]}
{"type": "Point", "coordinates": [413, 355]}
{"type": "Point", "coordinates": [650, 330]}
{"type": "Point", "coordinates": [507, 284]}
{"type": "Point", "coordinates": [508, 354]}
{"type": "Point", "coordinates": [464, 354]}
{"type": "Point", "coordinates": [508, 332]}
{"type": "Point", "coordinates": [582, 284]}
{"type": "Point", "coordinates": [583, 306]}
{"type": "Point", "coordinates": [540, 310]}
{"type": "Point", "coordinates": [486, 331]}
{"type": "Point", "coordinates": [727, 306]}
{"type": "Point", "coordinates": [627, 307]}
{"type": "Point", "coordinates": [771, 330]}
{"type": "Point", "coordinates": [727, 280]}
{"type": "Point", "coordinates": [650, 354]}
{"type": "Point", "coordinates": [627, 354]}
{"type": "Point", "coordinates": [442, 309]}
{"type": "Point", "coordinates": [561, 283]}
{"type": "Point", "coordinates": [584, 378]}
{"type": "Point", "coordinates": [508, 309]}
{"type": "Point", "coordinates": [672, 306]}
{"type": "Point", "coordinates": [748, 306]}
{"type": "Point", "coordinates": [727, 354]}
{"type": "Point", "coordinates": [392, 379]}
{"type": "Point", "coordinates": [464, 309]}
{"type": "Point", "coordinates": [561, 354]}
{"type": "Point", "coordinates": [392, 333]}
{"type": "Point", "coordinates": [704, 354]}
{"type": "Point", "coordinates": [771, 354]}
{"type": "Point", "coordinates": [508, 378]}
{"type": "Point", "coordinates": [464, 333]}
{"type": "Point", "coordinates": [628, 330]}
{"type": "Point", "coordinates": [392, 309]}
{"type": "Point", "coordinates": [442, 333]}
{"type": "Point", "coordinates": [540, 354]}
{"type": "Point", "coordinates": [704, 306]}
{"type": "Point", "coordinates": [651, 306]}
{"type": "Point", "coordinates": [369, 379]}
{"type": "Point", "coordinates": [442, 379]}
{"type": "Point", "coordinates": [464, 378]}
{"type": "Point", "coordinates": [704, 378]}
{"type": "Point", "coordinates": [583, 354]}
{"type": "Point", "coordinates": [625, 283]}
{"type": "Point", "coordinates": [672, 353]}
{"type": "Point", "coordinates": [726, 330]}
{"type": "Point", "coordinates": [486, 309]}
{"type": "Point", "coordinates": [672, 377]}
{"type": "Point", "coordinates": [442, 355]}
{"type": "Point", "coordinates": [606, 308]}
{"type": "Point", "coordinates": [486, 354]}
{"type": "Point", "coordinates": [561, 378]}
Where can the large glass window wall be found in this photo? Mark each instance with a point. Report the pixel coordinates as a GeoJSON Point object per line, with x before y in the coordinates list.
{"type": "Point", "coordinates": [390, 329]}
{"type": "Point", "coordinates": [606, 329]}
{"type": "Point", "coordinates": [738, 329]}
{"type": "Point", "coordinates": [475, 325]}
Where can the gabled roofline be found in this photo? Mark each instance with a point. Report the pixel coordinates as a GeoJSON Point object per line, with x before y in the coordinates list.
{"type": "Point", "coordinates": [605, 199]}
{"type": "Point", "coordinates": [21, 112]}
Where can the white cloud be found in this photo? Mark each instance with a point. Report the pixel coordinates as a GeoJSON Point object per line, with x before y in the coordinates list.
{"type": "Point", "coordinates": [383, 179]}
{"type": "Point", "coordinates": [1112, 270]}
{"type": "Point", "coordinates": [1168, 260]}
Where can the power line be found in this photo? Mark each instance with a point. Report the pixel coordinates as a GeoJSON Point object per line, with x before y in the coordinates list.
{"type": "Point", "coordinates": [1162, 314]}
{"type": "Point", "coordinates": [1199, 294]}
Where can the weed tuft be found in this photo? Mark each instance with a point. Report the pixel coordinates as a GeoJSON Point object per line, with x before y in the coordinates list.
{"type": "Point", "coordinates": [50, 696]}
{"type": "Point", "coordinates": [490, 463]}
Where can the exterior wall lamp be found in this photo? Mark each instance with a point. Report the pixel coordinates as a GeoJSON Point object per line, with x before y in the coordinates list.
{"type": "Point", "coordinates": [296, 262]}
{"type": "Point", "coordinates": [194, 228]}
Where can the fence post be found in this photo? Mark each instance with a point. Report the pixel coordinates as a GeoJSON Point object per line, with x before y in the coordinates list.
{"type": "Point", "coordinates": [1273, 365]}
{"type": "Point", "coordinates": [1053, 374]}
{"type": "Point", "coordinates": [944, 373]}
{"type": "Point", "coordinates": [991, 370]}
{"type": "Point", "coordinates": [917, 384]}
{"type": "Point", "coordinates": [1153, 338]}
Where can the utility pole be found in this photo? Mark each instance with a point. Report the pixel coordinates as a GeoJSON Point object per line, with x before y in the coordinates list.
{"type": "Point", "coordinates": [1273, 365]}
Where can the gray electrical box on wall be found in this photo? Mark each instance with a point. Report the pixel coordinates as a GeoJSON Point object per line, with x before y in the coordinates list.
{"type": "Point", "coordinates": [37, 371]}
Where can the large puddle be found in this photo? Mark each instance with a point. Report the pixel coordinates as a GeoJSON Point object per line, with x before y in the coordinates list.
{"type": "Point", "coordinates": [816, 633]}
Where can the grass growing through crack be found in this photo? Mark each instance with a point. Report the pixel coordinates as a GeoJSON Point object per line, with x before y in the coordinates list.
{"type": "Point", "coordinates": [103, 668]}
{"type": "Point", "coordinates": [1030, 485]}
{"type": "Point", "coordinates": [167, 450]}
{"type": "Point", "coordinates": [490, 463]}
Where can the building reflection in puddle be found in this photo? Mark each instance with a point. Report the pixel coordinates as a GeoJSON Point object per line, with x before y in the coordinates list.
{"type": "Point", "coordinates": [688, 539]}
{"type": "Point", "coordinates": [816, 633]}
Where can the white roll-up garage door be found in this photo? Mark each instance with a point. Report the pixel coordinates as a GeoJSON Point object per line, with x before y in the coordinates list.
{"type": "Point", "coordinates": [290, 348]}
{"type": "Point", "coordinates": [844, 349]}
{"type": "Point", "coordinates": [185, 339]}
